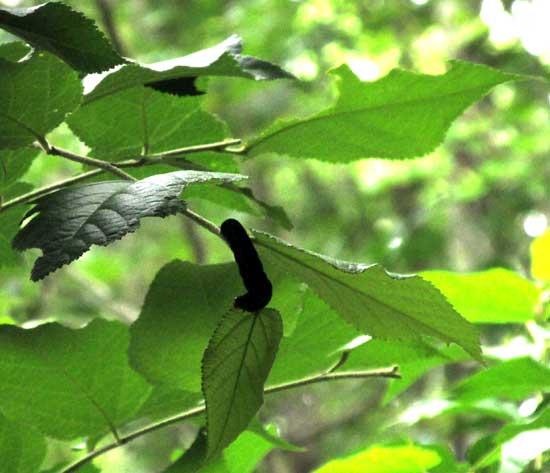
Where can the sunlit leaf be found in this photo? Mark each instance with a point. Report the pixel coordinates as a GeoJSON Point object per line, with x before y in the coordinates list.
{"type": "Point", "coordinates": [375, 302]}
{"type": "Point", "coordinates": [402, 115]}
{"type": "Point", "coordinates": [540, 257]}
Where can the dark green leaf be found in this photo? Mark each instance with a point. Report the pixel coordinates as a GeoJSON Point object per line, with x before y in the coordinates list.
{"type": "Point", "coordinates": [512, 379]}
{"type": "Point", "coordinates": [139, 120]}
{"type": "Point", "coordinates": [235, 366]}
{"type": "Point", "coordinates": [183, 307]}
{"type": "Point", "coordinates": [14, 51]}
{"type": "Point", "coordinates": [35, 94]}
{"type": "Point", "coordinates": [376, 302]}
{"type": "Point", "coordinates": [494, 296]}
{"type": "Point", "coordinates": [69, 383]}
{"type": "Point", "coordinates": [224, 59]}
{"type": "Point", "coordinates": [165, 402]}
{"type": "Point", "coordinates": [402, 115]}
{"type": "Point", "coordinates": [57, 28]}
{"type": "Point", "coordinates": [22, 448]}
{"type": "Point", "coordinates": [68, 222]}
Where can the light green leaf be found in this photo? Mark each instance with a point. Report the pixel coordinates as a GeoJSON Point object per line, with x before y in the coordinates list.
{"type": "Point", "coordinates": [540, 257]}
{"type": "Point", "coordinates": [144, 121]}
{"type": "Point", "coordinates": [69, 383]}
{"type": "Point", "coordinates": [509, 431]}
{"type": "Point", "coordinates": [57, 28]}
{"type": "Point", "coordinates": [512, 379]}
{"type": "Point", "coordinates": [312, 348]}
{"type": "Point", "coordinates": [35, 94]}
{"type": "Point", "coordinates": [380, 459]}
{"type": "Point", "coordinates": [183, 307]}
{"type": "Point", "coordinates": [374, 301]}
{"type": "Point", "coordinates": [68, 222]}
{"type": "Point", "coordinates": [13, 165]}
{"type": "Point", "coordinates": [235, 366]}
{"type": "Point", "coordinates": [402, 115]}
{"type": "Point", "coordinates": [22, 448]}
{"type": "Point", "coordinates": [223, 59]}
{"type": "Point", "coordinates": [493, 296]}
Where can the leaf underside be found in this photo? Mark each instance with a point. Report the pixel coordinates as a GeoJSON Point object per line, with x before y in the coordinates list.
{"type": "Point", "coordinates": [67, 223]}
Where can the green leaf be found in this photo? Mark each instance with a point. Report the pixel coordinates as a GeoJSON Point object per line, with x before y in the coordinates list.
{"type": "Point", "coordinates": [13, 165]}
{"type": "Point", "coordinates": [69, 383]}
{"type": "Point", "coordinates": [224, 59]}
{"type": "Point", "coordinates": [9, 225]}
{"type": "Point", "coordinates": [235, 366]}
{"type": "Point", "coordinates": [35, 94]}
{"type": "Point", "coordinates": [181, 310]}
{"type": "Point", "coordinates": [493, 296]}
{"type": "Point", "coordinates": [540, 257]}
{"type": "Point", "coordinates": [269, 433]}
{"type": "Point", "coordinates": [508, 432]}
{"type": "Point", "coordinates": [22, 448]}
{"type": "Point", "coordinates": [165, 402]}
{"type": "Point", "coordinates": [68, 222]}
{"type": "Point", "coordinates": [512, 379]}
{"type": "Point", "coordinates": [14, 51]}
{"type": "Point", "coordinates": [55, 27]}
{"type": "Point", "coordinates": [380, 459]}
{"type": "Point", "coordinates": [402, 115]}
{"type": "Point", "coordinates": [379, 303]}
{"type": "Point", "coordinates": [147, 121]}
{"type": "Point", "coordinates": [313, 346]}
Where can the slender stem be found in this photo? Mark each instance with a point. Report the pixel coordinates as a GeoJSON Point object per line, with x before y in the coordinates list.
{"type": "Point", "coordinates": [98, 163]}
{"type": "Point", "coordinates": [392, 372]}
{"type": "Point", "coordinates": [203, 222]}
{"type": "Point", "coordinates": [197, 149]}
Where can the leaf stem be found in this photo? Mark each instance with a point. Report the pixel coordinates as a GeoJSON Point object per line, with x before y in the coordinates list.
{"type": "Point", "coordinates": [98, 163]}
{"type": "Point", "coordinates": [392, 372]}
{"type": "Point", "coordinates": [203, 222]}
{"type": "Point", "coordinates": [220, 145]}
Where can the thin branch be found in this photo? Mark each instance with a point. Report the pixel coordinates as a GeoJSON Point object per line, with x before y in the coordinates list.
{"type": "Point", "coordinates": [203, 222]}
{"type": "Point", "coordinates": [105, 8]}
{"type": "Point", "coordinates": [392, 372]}
{"type": "Point", "coordinates": [98, 163]}
{"type": "Point", "coordinates": [220, 145]}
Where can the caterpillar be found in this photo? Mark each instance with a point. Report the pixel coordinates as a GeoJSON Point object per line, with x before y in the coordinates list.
{"type": "Point", "coordinates": [251, 270]}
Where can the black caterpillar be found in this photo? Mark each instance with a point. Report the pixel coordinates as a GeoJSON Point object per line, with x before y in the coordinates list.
{"type": "Point", "coordinates": [252, 273]}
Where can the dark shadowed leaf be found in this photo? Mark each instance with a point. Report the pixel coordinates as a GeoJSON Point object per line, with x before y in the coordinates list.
{"type": "Point", "coordinates": [402, 115]}
{"type": "Point", "coordinates": [35, 94]}
{"type": "Point", "coordinates": [22, 448]}
{"type": "Point", "coordinates": [183, 307]}
{"type": "Point", "coordinates": [234, 369]}
{"type": "Point", "coordinates": [57, 28]}
{"type": "Point", "coordinates": [69, 383]}
{"type": "Point", "coordinates": [67, 223]}
{"type": "Point", "coordinates": [375, 302]}
{"type": "Point", "coordinates": [224, 59]}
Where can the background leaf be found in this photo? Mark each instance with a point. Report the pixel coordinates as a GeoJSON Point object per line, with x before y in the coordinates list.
{"type": "Point", "coordinates": [22, 448]}
{"type": "Point", "coordinates": [493, 296]}
{"type": "Point", "coordinates": [36, 95]}
{"type": "Point", "coordinates": [69, 383]}
{"type": "Point", "coordinates": [57, 28]}
{"type": "Point", "coordinates": [380, 459]}
{"type": "Point", "coordinates": [235, 366]}
{"type": "Point", "coordinates": [540, 257]}
{"type": "Point", "coordinates": [378, 303]}
{"type": "Point", "coordinates": [402, 115]}
{"type": "Point", "coordinates": [68, 222]}
{"type": "Point", "coordinates": [512, 379]}
{"type": "Point", "coordinates": [13, 165]}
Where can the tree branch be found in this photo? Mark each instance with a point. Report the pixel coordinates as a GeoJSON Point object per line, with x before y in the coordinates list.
{"type": "Point", "coordinates": [392, 372]}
